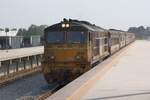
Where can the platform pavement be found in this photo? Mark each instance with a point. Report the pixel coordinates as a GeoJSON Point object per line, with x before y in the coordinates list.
{"type": "Point", "coordinates": [21, 52]}
{"type": "Point", "coordinates": [128, 79]}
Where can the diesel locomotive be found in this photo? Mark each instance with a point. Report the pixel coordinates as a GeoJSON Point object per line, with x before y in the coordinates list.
{"type": "Point", "coordinates": [73, 47]}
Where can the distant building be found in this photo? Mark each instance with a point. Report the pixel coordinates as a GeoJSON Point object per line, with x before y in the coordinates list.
{"type": "Point", "coordinates": [12, 32]}
{"type": "Point", "coordinates": [12, 42]}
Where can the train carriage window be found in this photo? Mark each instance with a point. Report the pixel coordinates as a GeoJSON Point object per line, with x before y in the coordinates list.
{"type": "Point", "coordinates": [106, 40]}
{"type": "Point", "coordinates": [55, 37]}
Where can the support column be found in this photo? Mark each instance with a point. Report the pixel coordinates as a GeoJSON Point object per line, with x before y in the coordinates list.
{"type": "Point", "coordinates": [3, 67]}
{"type": "Point", "coordinates": [16, 61]}
{"type": "Point", "coordinates": [17, 66]}
{"type": "Point", "coordinates": [31, 61]}
{"type": "Point", "coordinates": [37, 60]}
{"type": "Point", "coordinates": [7, 66]}
{"type": "Point", "coordinates": [24, 63]}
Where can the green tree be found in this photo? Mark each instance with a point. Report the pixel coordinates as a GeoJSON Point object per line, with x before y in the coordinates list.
{"type": "Point", "coordinates": [21, 32]}
{"type": "Point", "coordinates": [32, 30]}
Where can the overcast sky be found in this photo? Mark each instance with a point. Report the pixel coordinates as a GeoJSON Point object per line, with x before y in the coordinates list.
{"type": "Point", "coordinates": [119, 14]}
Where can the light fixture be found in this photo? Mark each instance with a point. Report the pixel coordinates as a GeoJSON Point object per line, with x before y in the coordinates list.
{"type": "Point", "coordinates": [52, 57]}
{"type": "Point", "coordinates": [67, 25]}
{"type": "Point", "coordinates": [63, 25]}
{"type": "Point", "coordinates": [78, 57]}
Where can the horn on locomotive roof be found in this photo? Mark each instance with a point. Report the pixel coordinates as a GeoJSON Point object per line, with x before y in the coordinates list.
{"type": "Point", "coordinates": [65, 20]}
{"type": "Point", "coordinates": [80, 21]}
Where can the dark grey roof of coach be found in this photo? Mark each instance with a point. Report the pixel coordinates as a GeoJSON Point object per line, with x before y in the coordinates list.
{"type": "Point", "coordinates": [88, 25]}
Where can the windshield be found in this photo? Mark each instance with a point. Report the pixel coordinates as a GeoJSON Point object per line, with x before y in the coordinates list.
{"type": "Point", "coordinates": [55, 37]}
{"type": "Point", "coordinates": [75, 37]}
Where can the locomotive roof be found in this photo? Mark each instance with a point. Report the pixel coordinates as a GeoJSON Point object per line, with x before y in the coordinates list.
{"type": "Point", "coordinates": [85, 24]}
{"type": "Point", "coordinates": [117, 31]}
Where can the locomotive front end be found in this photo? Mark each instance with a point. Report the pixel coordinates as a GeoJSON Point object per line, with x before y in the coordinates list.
{"type": "Point", "coordinates": [65, 52]}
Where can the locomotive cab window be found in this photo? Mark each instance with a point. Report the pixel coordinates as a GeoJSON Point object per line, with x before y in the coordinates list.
{"type": "Point", "coordinates": [76, 37]}
{"type": "Point", "coordinates": [55, 37]}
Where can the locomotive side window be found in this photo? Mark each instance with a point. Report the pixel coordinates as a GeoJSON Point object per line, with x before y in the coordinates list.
{"type": "Point", "coordinates": [76, 37]}
{"type": "Point", "coordinates": [55, 37]}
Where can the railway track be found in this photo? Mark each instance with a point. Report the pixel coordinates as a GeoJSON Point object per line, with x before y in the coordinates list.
{"type": "Point", "coordinates": [37, 92]}
{"type": "Point", "coordinates": [27, 87]}
{"type": "Point", "coordinates": [55, 88]}
{"type": "Point", "coordinates": [43, 96]}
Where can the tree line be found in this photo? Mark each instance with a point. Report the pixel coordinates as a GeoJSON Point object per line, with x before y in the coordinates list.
{"type": "Point", "coordinates": [140, 32]}
{"type": "Point", "coordinates": [32, 30]}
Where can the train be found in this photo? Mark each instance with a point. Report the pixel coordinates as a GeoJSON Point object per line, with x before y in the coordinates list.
{"type": "Point", "coordinates": [72, 47]}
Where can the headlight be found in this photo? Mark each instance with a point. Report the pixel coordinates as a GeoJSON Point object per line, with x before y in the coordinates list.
{"type": "Point", "coordinates": [52, 57]}
{"type": "Point", "coordinates": [78, 57]}
{"type": "Point", "coordinates": [67, 25]}
{"type": "Point", "coordinates": [63, 25]}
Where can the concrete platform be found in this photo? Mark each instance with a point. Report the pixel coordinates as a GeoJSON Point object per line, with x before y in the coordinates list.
{"type": "Point", "coordinates": [128, 79]}
{"type": "Point", "coordinates": [19, 53]}
{"type": "Point", "coordinates": [123, 76]}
